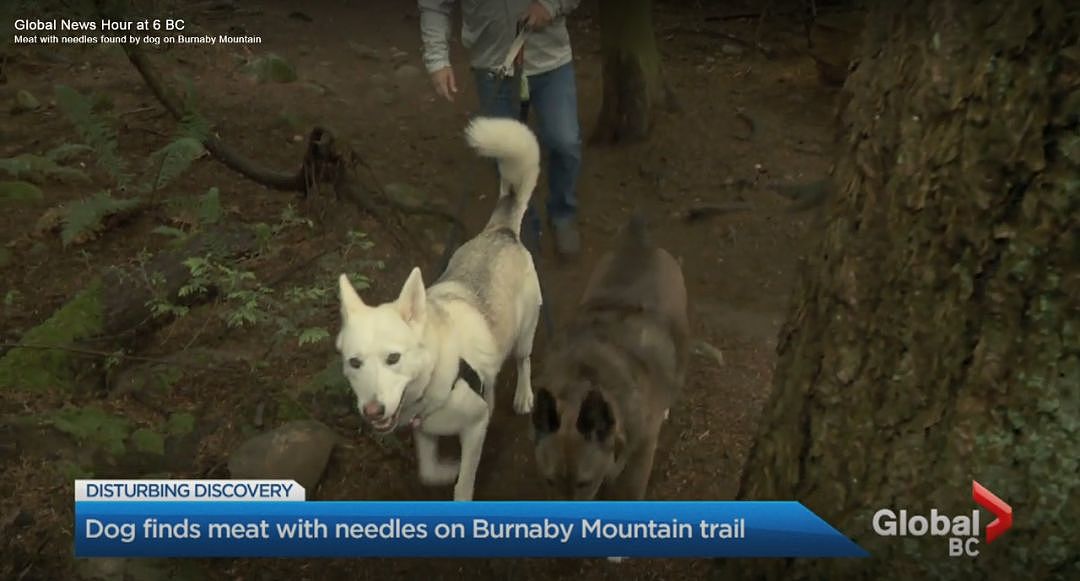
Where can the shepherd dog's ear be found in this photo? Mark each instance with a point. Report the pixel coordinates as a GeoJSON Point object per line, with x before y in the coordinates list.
{"type": "Point", "coordinates": [595, 421]}
{"type": "Point", "coordinates": [545, 414]}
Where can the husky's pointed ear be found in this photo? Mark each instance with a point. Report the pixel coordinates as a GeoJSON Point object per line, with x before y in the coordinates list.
{"type": "Point", "coordinates": [595, 421]}
{"type": "Point", "coordinates": [412, 302]}
{"type": "Point", "coordinates": [351, 303]}
{"type": "Point", "coordinates": [545, 416]}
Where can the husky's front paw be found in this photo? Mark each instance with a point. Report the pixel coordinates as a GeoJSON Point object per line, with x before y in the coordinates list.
{"type": "Point", "coordinates": [523, 401]}
{"type": "Point", "coordinates": [439, 474]}
{"type": "Point", "coordinates": [463, 493]}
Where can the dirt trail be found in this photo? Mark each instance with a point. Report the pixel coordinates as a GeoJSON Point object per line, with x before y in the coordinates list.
{"type": "Point", "coordinates": [361, 75]}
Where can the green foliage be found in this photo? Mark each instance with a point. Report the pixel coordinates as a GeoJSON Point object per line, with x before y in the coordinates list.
{"type": "Point", "coordinates": [41, 169]}
{"type": "Point", "coordinates": [180, 424]}
{"type": "Point", "coordinates": [192, 124]}
{"type": "Point", "coordinates": [92, 425]}
{"type": "Point", "coordinates": [313, 335]}
{"type": "Point", "coordinates": [194, 212]}
{"type": "Point", "coordinates": [19, 191]}
{"type": "Point", "coordinates": [289, 409]}
{"type": "Point", "coordinates": [86, 215]}
{"type": "Point", "coordinates": [330, 379]}
{"type": "Point", "coordinates": [208, 208]}
{"type": "Point", "coordinates": [95, 132]}
{"type": "Point", "coordinates": [176, 233]}
{"type": "Point", "coordinates": [265, 233]}
{"type": "Point", "coordinates": [73, 471]}
{"type": "Point", "coordinates": [167, 163]}
{"type": "Point", "coordinates": [11, 298]}
{"type": "Point", "coordinates": [296, 313]}
{"type": "Point", "coordinates": [40, 369]}
{"type": "Point", "coordinates": [67, 151]}
{"type": "Point", "coordinates": [149, 441]}
{"type": "Point", "coordinates": [161, 168]}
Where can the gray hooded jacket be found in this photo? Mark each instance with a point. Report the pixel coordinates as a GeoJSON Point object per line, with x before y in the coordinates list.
{"type": "Point", "coordinates": [488, 30]}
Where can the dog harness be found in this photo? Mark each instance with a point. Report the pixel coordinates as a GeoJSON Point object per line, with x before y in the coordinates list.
{"type": "Point", "coordinates": [471, 378]}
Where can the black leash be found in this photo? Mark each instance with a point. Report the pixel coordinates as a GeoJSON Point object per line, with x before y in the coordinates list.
{"type": "Point", "coordinates": [454, 233]}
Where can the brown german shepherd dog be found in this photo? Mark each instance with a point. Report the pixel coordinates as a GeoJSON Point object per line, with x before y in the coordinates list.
{"type": "Point", "coordinates": [613, 374]}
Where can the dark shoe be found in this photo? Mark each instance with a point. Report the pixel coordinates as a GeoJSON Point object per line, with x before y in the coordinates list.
{"type": "Point", "coordinates": [567, 238]}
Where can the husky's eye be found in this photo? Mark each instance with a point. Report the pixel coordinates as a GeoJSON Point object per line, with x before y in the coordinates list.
{"type": "Point", "coordinates": [355, 362]}
{"type": "Point", "coordinates": [393, 358]}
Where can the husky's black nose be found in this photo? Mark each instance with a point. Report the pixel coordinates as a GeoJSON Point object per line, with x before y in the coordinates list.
{"type": "Point", "coordinates": [373, 410]}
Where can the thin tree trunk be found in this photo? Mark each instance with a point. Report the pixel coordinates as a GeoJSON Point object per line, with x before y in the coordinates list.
{"type": "Point", "coordinates": [935, 338]}
{"type": "Point", "coordinates": [633, 84]}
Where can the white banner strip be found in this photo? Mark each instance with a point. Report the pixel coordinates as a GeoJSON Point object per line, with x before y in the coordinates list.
{"type": "Point", "coordinates": [180, 490]}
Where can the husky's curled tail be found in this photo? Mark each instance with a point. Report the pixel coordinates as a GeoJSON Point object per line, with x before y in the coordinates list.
{"type": "Point", "coordinates": [513, 145]}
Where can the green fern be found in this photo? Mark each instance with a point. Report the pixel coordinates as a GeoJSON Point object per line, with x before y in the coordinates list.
{"type": "Point", "coordinates": [86, 215]}
{"type": "Point", "coordinates": [172, 160]}
{"type": "Point", "coordinates": [97, 134]}
{"type": "Point", "coordinates": [196, 212]}
{"type": "Point", "coordinates": [67, 151]}
{"type": "Point", "coordinates": [192, 124]}
{"type": "Point", "coordinates": [209, 207]}
{"type": "Point", "coordinates": [37, 169]}
{"type": "Point", "coordinates": [312, 335]}
{"type": "Point", "coordinates": [175, 233]}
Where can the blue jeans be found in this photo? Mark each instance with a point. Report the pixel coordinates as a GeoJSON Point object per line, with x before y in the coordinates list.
{"type": "Point", "coordinates": [553, 95]}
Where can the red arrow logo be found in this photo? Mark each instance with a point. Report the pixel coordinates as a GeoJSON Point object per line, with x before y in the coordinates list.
{"type": "Point", "coordinates": [992, 503]}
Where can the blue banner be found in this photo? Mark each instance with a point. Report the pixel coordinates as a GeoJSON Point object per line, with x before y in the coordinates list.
{"type": "Point", "coordinates": [455, 529]}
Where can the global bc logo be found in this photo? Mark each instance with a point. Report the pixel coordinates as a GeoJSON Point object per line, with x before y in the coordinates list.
{"type": "Point", "coordinates": [962, 531]}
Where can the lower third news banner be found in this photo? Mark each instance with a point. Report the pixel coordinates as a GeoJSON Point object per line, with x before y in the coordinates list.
{"type": "Point", "coordinates": [271, 518]}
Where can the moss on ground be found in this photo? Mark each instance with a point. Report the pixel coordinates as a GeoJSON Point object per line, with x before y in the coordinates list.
{"type": "Point", "coordinates": [46, 365]}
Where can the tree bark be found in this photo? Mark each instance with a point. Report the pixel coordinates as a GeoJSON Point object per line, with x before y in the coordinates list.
{"type": "Point", "coordinates": [633, 84]}
{"type": "Point", "coordinates": [934, 339]}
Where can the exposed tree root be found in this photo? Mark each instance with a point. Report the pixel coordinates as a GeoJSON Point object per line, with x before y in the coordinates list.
{"type": "Point", "coordinates": [326, 161]}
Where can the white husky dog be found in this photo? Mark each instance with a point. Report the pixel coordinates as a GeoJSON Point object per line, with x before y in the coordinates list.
{"type": "Point", "coordinates": [430, 358]}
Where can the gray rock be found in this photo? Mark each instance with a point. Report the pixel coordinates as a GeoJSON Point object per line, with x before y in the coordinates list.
{"type": "Point", "coordinates": [365, 52]}
{"type": "Point", "coordinates": [25, 101]}
{"type": "Point", "coordinates": [381, 96]}
{"type": "Point", "coordinates": [100, 569]}
{"type": "Point", "coordinates": [298, 450]}
{"type": "Point", "coordinates": [731, 49]}
{"type": "Point", "coordinates": [408, 73]}
{"type": "Point", "coordinates": [108, 569]}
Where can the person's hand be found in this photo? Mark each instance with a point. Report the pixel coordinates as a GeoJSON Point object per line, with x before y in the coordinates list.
{"type": "Point", "coordinates": [444, 83]}
{"type": "Point", "coordinates": [536, 16]}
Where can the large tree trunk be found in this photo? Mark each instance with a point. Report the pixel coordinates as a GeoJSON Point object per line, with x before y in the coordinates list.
{"type": "Point", "coordinates": [935, 338]}
{"type": "Point", "coordinates": [633, 85]}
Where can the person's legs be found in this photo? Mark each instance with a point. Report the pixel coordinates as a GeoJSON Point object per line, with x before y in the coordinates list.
{"type": "Point", "coordinates": [504, 104]}
{"type": "Point", "coordinates": [498, 99]}
{"type": "Point", "coordinates": [553, 95]}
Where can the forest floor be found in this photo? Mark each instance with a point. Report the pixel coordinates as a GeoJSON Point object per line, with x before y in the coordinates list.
{"type": "Point", "coordinates": [360, 74]}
